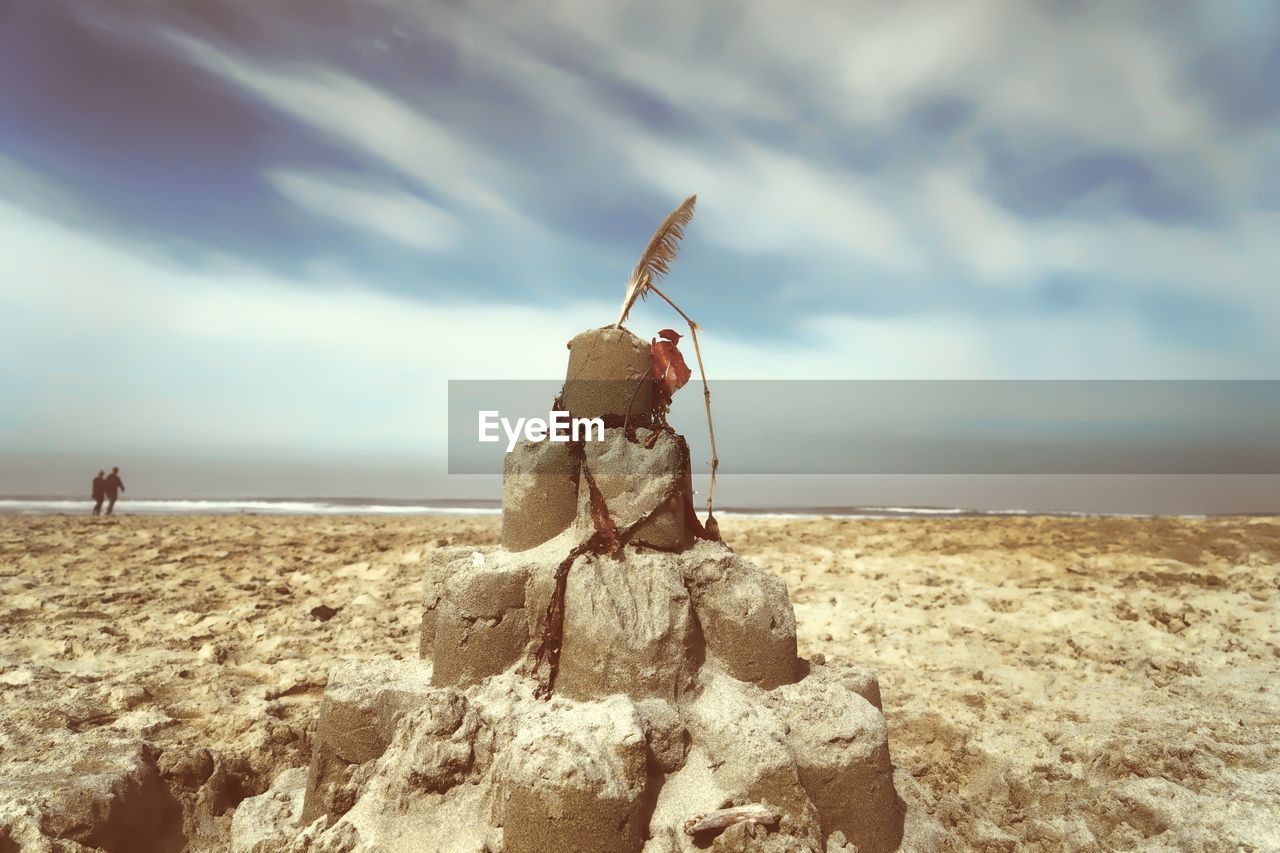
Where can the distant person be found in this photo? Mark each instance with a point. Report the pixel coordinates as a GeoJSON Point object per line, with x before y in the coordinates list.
{"type": "Point", "coordinates": [99, 492]}
{"type": "Point", "coordinates": [114, 485]}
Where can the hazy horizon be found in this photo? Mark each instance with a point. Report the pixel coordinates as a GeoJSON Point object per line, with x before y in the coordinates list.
{"type": "Point", "coordinates": [69, 476]}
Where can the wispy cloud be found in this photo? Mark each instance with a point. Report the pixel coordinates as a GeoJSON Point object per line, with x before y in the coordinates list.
{"type": "Point", "coordinates": [142, 353]}
{"type": "Point", "coordinates": [1045, 85]}
{"type": "Point", "coordinates": [366, 119]}
{"type": "Point", "coordinates": [384, 212]}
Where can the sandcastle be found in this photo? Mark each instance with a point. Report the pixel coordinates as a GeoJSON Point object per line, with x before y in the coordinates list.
{"type": "Point", "coordinates": [610, 678]}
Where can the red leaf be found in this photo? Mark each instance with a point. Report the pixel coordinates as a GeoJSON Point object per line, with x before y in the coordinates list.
{"type": "Point", "coordinates": [670, 335]}
{"type": "Point", "coordinates": [670, 373]}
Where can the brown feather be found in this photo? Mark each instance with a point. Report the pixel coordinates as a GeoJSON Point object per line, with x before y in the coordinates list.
{"type": "Point", "coordinates": [658, 255]}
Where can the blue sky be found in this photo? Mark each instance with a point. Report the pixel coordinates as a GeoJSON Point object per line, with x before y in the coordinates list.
{"type": "Point", "coordinates": [263, 229]}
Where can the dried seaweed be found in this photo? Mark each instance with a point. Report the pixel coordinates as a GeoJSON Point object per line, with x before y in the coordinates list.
{"type": "Point", "coordinates": [606, 540]}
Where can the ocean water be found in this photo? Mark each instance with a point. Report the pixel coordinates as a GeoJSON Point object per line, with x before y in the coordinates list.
{"type": "Point", "coordinates": [388, 506]}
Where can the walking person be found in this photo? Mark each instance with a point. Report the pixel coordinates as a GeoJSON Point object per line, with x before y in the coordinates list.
{"type": "Point", "coordinates": [99, 492]}
{"type": "Point", "coordinates": [114, 485]}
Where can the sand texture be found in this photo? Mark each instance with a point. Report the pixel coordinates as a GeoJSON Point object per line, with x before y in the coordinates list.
{"type": "Point", "coordinates": [1049, 683]}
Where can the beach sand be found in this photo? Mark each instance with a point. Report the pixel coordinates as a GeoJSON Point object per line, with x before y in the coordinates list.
{"type": "Point", "coordinates": [1051, 683]}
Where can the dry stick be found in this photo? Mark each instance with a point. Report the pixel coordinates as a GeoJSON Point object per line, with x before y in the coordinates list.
{"type": "Point", "coordinates": [722, 819]}
{"type": "Point", "coordinates": [706, 393]}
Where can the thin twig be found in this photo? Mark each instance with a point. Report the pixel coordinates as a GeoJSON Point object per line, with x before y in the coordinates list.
{"type": "Point", "coordinates": [706, 393]}
{"type": "Point", "coordinates": [721, 819]}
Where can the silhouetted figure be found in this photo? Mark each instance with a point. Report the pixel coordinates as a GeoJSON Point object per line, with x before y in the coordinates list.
{"type": "Point", "coordinates": [99, 492]}
{"type": "Point", "coordinates": [114, 485]}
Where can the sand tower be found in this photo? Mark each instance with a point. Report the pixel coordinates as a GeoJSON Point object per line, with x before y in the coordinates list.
{"type": "Point", "coordinates": [610, 678]}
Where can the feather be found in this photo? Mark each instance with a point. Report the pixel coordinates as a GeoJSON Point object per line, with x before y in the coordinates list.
{"type": "Point", "coordinates": [658, 255]}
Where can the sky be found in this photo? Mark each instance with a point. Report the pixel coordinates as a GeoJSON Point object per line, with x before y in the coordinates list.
{"type": "Point", "coordinates": [262, 236]}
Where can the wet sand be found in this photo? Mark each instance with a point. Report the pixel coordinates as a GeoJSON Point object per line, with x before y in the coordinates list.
{"type": "Point", "coordinates": [1052, 683]}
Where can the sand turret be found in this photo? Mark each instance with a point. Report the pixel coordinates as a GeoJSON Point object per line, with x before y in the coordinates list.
{"type": "Point", "coordinates": [646, 483]}
{"type": "Point", "coordinates": [610, 678]}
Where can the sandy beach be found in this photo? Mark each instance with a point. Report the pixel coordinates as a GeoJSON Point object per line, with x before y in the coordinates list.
{"type": "Point", "coordinates": [1051, 683]}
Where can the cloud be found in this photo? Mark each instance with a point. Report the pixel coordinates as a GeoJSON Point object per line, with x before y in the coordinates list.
{"type": "Point", "coordinates": [393, 215]}
{"type": "Point", "coordinates": [763, 107]}
{"type": "Point", "coordinates": [767, 201]}
{"type": "Point", "coordinates": [1110, 74]}
{"type": "Point", "coordinates": [137, 352]}
{"type": "Point", "coordinates": [1047, 85]}
{"type": "Point", "coordinates": [363, 118]}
